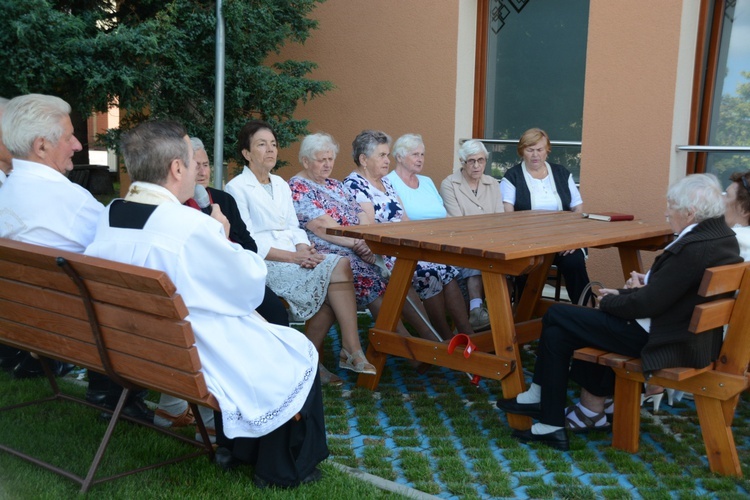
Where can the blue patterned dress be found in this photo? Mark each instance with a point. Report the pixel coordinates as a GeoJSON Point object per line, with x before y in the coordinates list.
{"type": "Point", "coordinates": [311, 200]}
{"type": "Point", "coordinates": [429, 278]}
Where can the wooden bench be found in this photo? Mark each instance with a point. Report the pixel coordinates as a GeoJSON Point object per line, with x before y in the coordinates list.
{"type": "Point", "coordinates": [716, 388]}
{"type": "Point", "coordinates": [124, 321]}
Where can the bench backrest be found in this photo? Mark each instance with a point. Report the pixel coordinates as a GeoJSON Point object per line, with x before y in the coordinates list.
{"type": "Point", "coordinates": [140, 314]}
{"type": "Point", "coordinates": [733, 312]}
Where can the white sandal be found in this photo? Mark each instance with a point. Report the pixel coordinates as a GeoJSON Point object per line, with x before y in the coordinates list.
{"type": "Point", "coordinates": [356, 362]}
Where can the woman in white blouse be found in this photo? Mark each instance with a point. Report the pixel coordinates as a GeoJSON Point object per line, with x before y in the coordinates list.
{"type": "Point", "coordinates": [317, 287]}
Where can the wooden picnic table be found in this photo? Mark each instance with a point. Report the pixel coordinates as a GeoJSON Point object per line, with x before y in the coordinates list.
{"type": "Point", "coordinates": [498, 245]}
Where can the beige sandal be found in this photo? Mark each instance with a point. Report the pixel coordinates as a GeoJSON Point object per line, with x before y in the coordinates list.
{"type": "Point", "coordinates": [184, 419]}
{"type": "Point", "coordinates": [356, 362]}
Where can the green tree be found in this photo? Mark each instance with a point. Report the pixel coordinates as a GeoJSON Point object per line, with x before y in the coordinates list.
{"type": "Point", "coordinates": [156, 59]}
{"type": "Point", "coordinates": [732, 129]}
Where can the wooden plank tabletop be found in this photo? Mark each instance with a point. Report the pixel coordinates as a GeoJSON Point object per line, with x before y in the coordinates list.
{"type": "Point", "coordinates": [508, 236]}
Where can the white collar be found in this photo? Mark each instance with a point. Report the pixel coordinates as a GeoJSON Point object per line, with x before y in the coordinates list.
{"type": "Point", "coordinates": [38, 169]}
{"type": "Point", "coordinates": [150, 194]}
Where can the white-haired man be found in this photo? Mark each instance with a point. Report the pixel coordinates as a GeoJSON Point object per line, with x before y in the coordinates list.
{"type": "Point", "coordinates": [40, 205]}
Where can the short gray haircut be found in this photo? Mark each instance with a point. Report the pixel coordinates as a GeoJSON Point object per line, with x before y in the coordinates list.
{"type": "Point", "coordinates": [150, 148]}
{"type": "Point", "coordinates": [406, 144]}
{"type": "Point", "coordinates": [471, 147]}
{"type": "Point", "coordinates": [3, 102]}
{"type": "Point", "coordinates": [366, 142]}
{"type": "Point", "coordinates": [28, 117]}
{"type": "Point", "coordinates": [315, 143]}
{"type": "Point", "coordinates": [697, 193]}
{"type": "Point", "coordinates": [197, 144]}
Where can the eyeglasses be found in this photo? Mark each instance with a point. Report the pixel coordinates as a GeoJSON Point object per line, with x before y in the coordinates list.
{"type": "Point", "coordinates": [480, 162]}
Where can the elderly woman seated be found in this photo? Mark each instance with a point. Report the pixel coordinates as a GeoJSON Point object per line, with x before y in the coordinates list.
{"type": "Point", "coordinates": [470, 192]}
{"type": "Point", "coordinates": [317, 286]}
{"type": "Point", "coordinates": [421, 200]}
{"type": "Point", "coordinates": [535, 184]}
{"type": "Point", "coordinates": [322, 202]}
{"type": "Point", "coordinates": [436, 284]}
{"type": "Point", "coordinates": [650, 322]}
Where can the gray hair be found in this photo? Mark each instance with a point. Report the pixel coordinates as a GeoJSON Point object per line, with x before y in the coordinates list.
{"type": "Point", "coordinates": [150, 148]}
{"type": "Point", "coordinates": [406, 144]}
{"type": "Point", "coordinates": [471, 147]}
{"type": "Point", "coordinates": [3, 102]}
{"type": "Point", "coordinates": [28, 117]}
{"type": "Point", "coordinates": [698, 193]}
{"type": "Point", "coordinates": [315, 143]}
{"type": "Point", "coordinates": [366, 142]}
{"type": "Point", "coordinates": [197, 144]}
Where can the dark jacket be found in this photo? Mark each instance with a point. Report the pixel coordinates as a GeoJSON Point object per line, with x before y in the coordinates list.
{"type": "Point", "coordinates": [671, 295]}
{"type": "Point", "coordinates": [560, 175]}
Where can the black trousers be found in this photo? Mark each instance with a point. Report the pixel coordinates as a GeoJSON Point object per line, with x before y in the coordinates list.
{"type": "Point", "coordinates": [287, 455]}
{"type": "Point", "coordinates": [573, 269]}
{"type": "Point", "coordinates": [566, 328]}
{"type": "Point", "coordinates": [272, 309]}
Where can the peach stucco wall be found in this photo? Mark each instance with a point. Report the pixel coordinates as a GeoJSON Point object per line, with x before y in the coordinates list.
{"type": "Point", "coordinates": [394, 66]}
{"type": "Point", "coordinates": [633, 61]}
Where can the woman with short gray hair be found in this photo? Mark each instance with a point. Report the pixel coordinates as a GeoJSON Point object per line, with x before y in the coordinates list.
{"type": "Point", "coordinates": [470, 192]}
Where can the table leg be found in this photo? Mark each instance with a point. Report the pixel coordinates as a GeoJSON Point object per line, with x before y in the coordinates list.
{"type": "Point", "coordinates": [389, 316]}
{"type": "Point", "coordinates": [532, 292]}
{"type": "Point", "coordinates": [631, 261]}
{"type": "Point", "coordinates": [504, 339]}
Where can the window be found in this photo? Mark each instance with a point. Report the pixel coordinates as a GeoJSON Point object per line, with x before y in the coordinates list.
{"type": "Point", "coordinates": [721, 117]}
{"type": "Point", "coordinates": [534, 57]}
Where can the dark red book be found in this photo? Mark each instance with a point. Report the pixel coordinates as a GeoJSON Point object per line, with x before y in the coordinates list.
{"type": "Point", "coordinates": [609, 216]}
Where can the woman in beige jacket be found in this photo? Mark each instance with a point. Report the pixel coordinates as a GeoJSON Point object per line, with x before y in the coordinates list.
{"type": "Point", "coordinates": [470, 192]}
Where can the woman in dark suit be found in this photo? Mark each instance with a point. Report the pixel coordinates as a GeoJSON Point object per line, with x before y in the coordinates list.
{"type": "Point", "coordinates": [649, 321]}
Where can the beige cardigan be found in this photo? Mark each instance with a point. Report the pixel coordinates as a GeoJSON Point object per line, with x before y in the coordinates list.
{"type": "Point", "coordinates": [460, 200]}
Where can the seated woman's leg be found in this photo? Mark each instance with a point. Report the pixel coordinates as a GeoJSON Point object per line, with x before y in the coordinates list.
{"type": "Point", "coordinates": [566, 329]}
{"type": "Point", "coordinates": [341, 299]}
{"type": "Point", "coordinates": [456, 307]}
{"type": "Point", "coordinates": [573, 269]}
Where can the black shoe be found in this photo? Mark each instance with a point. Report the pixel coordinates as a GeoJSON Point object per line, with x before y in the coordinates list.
{"type": "Point", "coordinates": [533, 410]}
{"type": "Point", "coordinates": [135, 408]}
{"type": "Point", "coordinates": [10, 357]}
{"type": "Point", "coordinates": [224, 459]}
{"type": "Point", "coordinates": [97, 397]}
{"type": "Point", "coordinates": [61, 369]}
{"type": "Point", "coordinates": [28, 367]}
{"type": "Point", "coordinates": [312, 477]}
{"type": "Point", "coordinates": [557, 439]}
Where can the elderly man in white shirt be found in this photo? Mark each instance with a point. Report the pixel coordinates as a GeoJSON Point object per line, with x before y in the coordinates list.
{"type": "Point", "coordinates": [39, 205]}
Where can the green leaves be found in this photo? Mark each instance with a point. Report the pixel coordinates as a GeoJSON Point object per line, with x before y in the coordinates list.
{"type": "Point", "coordinates": [156, 59]}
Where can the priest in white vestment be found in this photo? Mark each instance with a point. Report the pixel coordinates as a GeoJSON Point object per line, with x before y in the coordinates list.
{"type": "Point", "coordinates": [264, 376]}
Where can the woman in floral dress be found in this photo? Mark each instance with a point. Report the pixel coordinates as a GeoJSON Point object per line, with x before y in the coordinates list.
{"type": "Point", "coordinates": [322, 202]}
{"type": "Point", "coordinates": [436, 284]}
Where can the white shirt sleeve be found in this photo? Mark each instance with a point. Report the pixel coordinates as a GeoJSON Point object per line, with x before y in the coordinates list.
{"type": "Point", "coordinates": [575, 195]}
{"type": "Point", "coordinates": [508, 191]}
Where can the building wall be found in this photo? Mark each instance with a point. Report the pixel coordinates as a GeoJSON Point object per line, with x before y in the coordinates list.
{"type": "Point", "coordinates": [639, 67]}
{"type": "Point", "coordinates": [394, 64]}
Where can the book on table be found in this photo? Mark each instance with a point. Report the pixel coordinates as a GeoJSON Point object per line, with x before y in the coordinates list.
{"type": "Point", "coordinates": [609, 216]}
